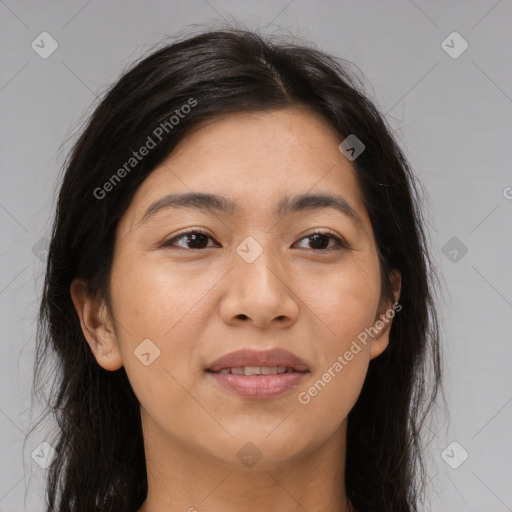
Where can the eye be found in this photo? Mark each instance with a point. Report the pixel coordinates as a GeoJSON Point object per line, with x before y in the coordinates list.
{"type": "Point", "coordinates": [318, 239]}
{"type": "Point", "coordinates": [196, 237]}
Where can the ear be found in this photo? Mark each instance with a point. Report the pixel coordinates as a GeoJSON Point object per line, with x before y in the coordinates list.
{"type": "Point", "coordinates": [97, 326]}
{"type": "Point", "coordinates": [384, 318]}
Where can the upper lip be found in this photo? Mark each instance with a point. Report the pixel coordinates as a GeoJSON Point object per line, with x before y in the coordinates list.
{"type": "Point", "coordinates": [248, 357]}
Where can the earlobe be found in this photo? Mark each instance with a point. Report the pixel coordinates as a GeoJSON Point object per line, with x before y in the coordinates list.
{"type": "Point", "coordinates": [380, 340]}
{"type": "Point", "coordinates": [387, 312]}
{"type": "Point", "coordinates": [96, 326]}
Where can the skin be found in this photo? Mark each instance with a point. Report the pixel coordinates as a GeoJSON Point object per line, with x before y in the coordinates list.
{"type": "Point", "coordinates": [196, 305]}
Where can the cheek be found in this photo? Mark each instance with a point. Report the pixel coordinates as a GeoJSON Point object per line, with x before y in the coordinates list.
{"type": "Point", "coordinates": [155, 300]}
{"type": "Point", "coordinates": [158, 314]}
{"type": "Point", "coordinates": [343, 304]}
{"type": "Point", "coordinates": [332, 393]}
{"type": "Point", "coordinates": [343, 300]}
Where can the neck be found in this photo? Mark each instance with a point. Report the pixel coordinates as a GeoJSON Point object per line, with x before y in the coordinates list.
{"type": "Point", "coordinates": [183, 479]}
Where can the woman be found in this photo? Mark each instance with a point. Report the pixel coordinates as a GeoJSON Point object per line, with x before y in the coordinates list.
{"type": "Point", "coordinates": [259, 369]}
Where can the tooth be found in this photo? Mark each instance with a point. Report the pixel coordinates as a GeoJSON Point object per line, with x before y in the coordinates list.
{"type": "Point", "coordinates": [252, 370]}
{"type": "Point", "coordinates": [257, 370]}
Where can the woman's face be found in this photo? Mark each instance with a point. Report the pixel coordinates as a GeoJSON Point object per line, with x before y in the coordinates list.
{"type": "Point", "coordinates": [256, 279]}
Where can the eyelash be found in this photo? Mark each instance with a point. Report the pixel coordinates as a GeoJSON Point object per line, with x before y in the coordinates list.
{"type": "Point", "coordinates": [341, 244]}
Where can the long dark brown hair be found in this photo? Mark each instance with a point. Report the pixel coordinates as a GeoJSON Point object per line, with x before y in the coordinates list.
{"type": "Point", "coordinates": [100, 462]}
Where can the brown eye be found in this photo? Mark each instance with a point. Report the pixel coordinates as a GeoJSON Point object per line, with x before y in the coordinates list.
{"type": "Point", "coordinates": [193, 240]}
{"type": "Point", "coordinates": [319, 241]}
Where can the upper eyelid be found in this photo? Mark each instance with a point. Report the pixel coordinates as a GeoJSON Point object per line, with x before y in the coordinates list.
{"type": "Point", "coordinates": [189, 232]}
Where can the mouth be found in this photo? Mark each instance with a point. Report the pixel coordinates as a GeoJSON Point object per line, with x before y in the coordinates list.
{"type": "Point", "coordinates": [258, 375]}
{"type": "Point", "coordinates": [258, 362]}
{"type": "Point", "coordinates": [258, 370]}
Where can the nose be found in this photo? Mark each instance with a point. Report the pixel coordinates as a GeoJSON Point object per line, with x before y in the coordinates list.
{"type": "Point", "coordinates": [259, 292]}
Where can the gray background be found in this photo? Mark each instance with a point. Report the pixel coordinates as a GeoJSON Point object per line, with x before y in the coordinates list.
{"type": "Point", "coordinates": [450, 115]}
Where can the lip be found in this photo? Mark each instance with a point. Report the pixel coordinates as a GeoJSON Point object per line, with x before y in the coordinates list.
{"type": "Point", "coordinates": [248, 357]}
{"type": "Point", "coordinates": [258, 387]}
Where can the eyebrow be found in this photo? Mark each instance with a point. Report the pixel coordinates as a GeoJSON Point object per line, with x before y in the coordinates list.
{"type": "Point", "coordinates": [208, 202]}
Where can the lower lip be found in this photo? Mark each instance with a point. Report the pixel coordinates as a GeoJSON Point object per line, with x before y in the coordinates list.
{"type": "Point", "coordinates": [259, 387]}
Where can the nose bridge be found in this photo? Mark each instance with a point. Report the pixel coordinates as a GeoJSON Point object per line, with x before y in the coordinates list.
{"type": "Point", "coordinates": [258, 265]}
{"type": "Point", "coordinates": [258, 288]}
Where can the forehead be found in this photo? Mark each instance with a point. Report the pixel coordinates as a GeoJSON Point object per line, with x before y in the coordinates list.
{"type": "Point", "coordinates": [255, 158]}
